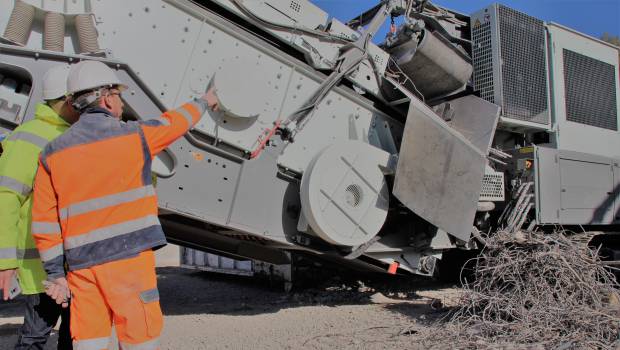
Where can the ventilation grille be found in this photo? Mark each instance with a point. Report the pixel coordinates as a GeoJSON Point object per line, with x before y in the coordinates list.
{"type": "Point", "coordinates": [524, 73]}
{"type": "Point", "coordinates": [492, 187]}
{"type": "Point", "coordinates": [295, 6]}
{"type": "Point", "coordinates": [378, 60]}
{"type": "Point", "coordinates": [482, 56]}
{"type": "Point", "coordinates": [590, 88]}
{"type": "Point", "coordinates": [353, 195]}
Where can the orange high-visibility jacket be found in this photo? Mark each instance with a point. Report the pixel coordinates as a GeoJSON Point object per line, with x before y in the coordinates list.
{"type": "Point", "coordinates": [94, 201]}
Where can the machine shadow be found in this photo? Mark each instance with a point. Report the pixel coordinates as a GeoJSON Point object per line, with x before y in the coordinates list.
{"type": "Point", "coordinates": [188, 292]}
{"type": "Point", "coordinates": [609, 204]}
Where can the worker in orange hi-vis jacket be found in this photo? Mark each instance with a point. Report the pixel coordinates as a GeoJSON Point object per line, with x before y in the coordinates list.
{"type": "Point", "coordinates": [96, 211]}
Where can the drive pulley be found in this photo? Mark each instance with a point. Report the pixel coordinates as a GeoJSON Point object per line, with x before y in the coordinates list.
{"type": "Point", "coordinates": [344, 194]}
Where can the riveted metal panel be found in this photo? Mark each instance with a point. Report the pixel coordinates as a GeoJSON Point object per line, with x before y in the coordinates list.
{"type": "Point", "coordinates": [547, 185]}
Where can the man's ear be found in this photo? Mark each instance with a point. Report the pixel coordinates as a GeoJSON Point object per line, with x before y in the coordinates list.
{"type": "Point", "coordinates": [105, 101]}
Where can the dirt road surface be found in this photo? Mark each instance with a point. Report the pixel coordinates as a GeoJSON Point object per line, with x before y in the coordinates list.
{"type": "Point", "coordinates": [210, 311]}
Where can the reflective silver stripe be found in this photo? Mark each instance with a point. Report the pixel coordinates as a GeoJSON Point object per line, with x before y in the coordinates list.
{"type": "Point", "coordinates": [152, 344]}
{"type": "Point", "coordinates": [91, 344]}
{"type": "Point", "coordinates": [106, 201]}
{"type": "Point", "coordinates": [164, 121]}
{"type": "Point", "coordinates": [110, 231]}
{"type": "Point", "coordinates": [15, 185]}
{"type": "Point", "coordinates": [30, 253]}
{"type": "Point", "coordinates": [149, 296]}
{"type": "Point", "coordinates": [186, 114]}
{"type": "Point", "coordinates": [30, 138]}
{"type": "Point", "coordinates": [42, 228]}
{"type": "Point", "coordinates": [52, 252]}
{"type": "Point", "coordinates": [8, 253]}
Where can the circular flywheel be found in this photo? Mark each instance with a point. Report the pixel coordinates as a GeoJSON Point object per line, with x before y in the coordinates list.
{"type": "Point", "coordinates": [344, 194]}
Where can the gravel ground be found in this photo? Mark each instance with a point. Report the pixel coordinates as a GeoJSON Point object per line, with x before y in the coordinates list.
{"type": "Point", "coordinates": [211, 311]}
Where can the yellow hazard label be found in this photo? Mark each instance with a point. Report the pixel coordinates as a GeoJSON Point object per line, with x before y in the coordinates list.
{"type": "Point", "coordinates": [526, 150]}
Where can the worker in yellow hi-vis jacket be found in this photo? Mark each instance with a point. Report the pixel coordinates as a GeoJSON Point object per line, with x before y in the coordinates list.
{"type": "Point", "coordinates": [18, 253]}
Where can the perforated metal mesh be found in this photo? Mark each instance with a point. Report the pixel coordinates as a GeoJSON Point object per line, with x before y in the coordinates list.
{"type": "Point", "coordinates": [482, 56]}
{"type": "Point", "coordinates": [524, 73]}
{"type": "Point", "coordinates": [295, 6]}
{"type": "Point", "coordinates": [590, 88]}
{"type": "Point", "coordinates": [353, 195]}
{"type": "Point", "coordinates": [492, 187]}
{"type": "Point", "coordinates": [378, 60]}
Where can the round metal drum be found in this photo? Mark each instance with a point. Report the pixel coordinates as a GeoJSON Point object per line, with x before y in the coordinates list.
{"type": "Point", "coordinates": [243, 88]}
{"type": "Point", "coordinates": [344, 195]}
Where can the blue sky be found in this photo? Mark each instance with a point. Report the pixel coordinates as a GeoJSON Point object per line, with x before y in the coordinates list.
{"type": "Point", "coordinates": [592, 17]}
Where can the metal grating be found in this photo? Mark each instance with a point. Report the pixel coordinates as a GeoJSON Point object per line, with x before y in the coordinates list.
{"type": "Point", "coordinates": [492, 187]}
{"type": "Point", "coordinates": [524, 66]}
{"type": "Point", "coordinates": [378, 60]}
{"type": "Point", "coordinates": [295, 6]}
{"type": "Point", "coordinates": [590, 88]}
{"type": "Point", "coordinates": [482, 57]}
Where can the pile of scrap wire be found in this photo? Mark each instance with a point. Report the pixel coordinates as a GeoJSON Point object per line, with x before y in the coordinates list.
{"type": "Point", "coordinates": [536, 291]}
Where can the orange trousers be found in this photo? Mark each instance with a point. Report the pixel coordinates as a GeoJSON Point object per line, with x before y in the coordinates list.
{"type": "Point", "coordinates": [123, 292]}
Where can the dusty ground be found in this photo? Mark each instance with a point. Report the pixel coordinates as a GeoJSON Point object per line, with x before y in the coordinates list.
{"type": "Point", "coordinates": [210, 311]}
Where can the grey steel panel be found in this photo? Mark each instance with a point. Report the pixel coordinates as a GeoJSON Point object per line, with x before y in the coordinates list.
{"type": "Point", "coordinates": [587, 185]}
{"type": "Point", "coordinates": [203, 185]}
{"type": "Point", "coordinates": [439, 173]}
{"type": "Point", "coordinates": [435, 65]}
{"type": "Point", "coordinates": [476, 119]}
{"type": "Point", "coordinates": [586, 191]}
{"type": "Point", "coordinates": [590, 87]}
{"type": "Point", "coordinates": [265, 203]}
{"type": "Point", "coordinates": [548, 187]}
{"type": "Point", "coordinates": [574, 188]}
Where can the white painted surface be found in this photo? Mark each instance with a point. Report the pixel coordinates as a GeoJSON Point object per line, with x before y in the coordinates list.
{"type": "Point", "coordinates": [575, 136]}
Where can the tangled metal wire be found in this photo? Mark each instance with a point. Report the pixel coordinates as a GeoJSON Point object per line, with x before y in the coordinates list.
{"type": "Point", "coordinates": [535, 291]}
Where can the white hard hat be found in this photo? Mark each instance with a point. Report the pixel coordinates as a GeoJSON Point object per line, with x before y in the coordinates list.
{"type": "Point", "coordinates": [55, 82]}
{"type": "Point", "coordinates": [89, 75]}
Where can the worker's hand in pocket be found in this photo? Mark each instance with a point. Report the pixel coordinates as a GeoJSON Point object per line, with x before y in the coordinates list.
{"type": "Point", "coordinates": [58, 289]}
{"type": "Point", "coordinates": [6, 278]}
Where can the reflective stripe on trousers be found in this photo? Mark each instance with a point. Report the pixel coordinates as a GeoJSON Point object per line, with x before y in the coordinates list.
{"type": "Point", "coordinates": [102, 343]}
{"type": "Point", "coordinates": [91, 344]}
{"type": "Point", "coordinates": [147, 345]}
